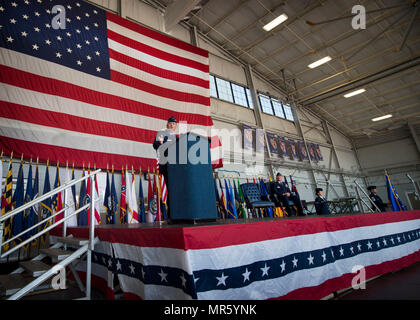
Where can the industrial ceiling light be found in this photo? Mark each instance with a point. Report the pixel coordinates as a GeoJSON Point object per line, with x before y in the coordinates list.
{"type": "Point", "coordinates": [280, 19]}
{"type": "Point", "coordinates": [382, 117]}
{"type": "Point", "coordinates": [319, 62]}
{"type": "Point", "coordinates": [353, 93]}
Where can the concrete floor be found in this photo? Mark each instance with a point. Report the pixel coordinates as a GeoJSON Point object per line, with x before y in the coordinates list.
{"type": "Point", "coordinates": [400, 285]}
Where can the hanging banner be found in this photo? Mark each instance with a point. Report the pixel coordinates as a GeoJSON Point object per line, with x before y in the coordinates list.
{"type": "Point", "coordinates": [282, 147]}
{"type": "Point", "coordinates": [292, 149]}
{"type": "Point", "coordinates": [318, 152]}
{"type": "Point", "coordinates": [302, 151]}
{"type": "Point", "coordinates": [272, 144]}
{"type": "Point", "coordinates": [248, 137]}
{"type": "Point", "coordinates": [259, 141]}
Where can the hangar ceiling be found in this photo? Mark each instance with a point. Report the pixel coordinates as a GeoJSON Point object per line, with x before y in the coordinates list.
{"type": "Point", "coordinates": [383, 58]}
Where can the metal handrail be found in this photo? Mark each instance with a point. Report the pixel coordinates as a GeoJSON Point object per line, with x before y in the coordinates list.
{"type": "Point", "coordinates": [89, 248]}
{"type": "Point", "coordinates": [33, 227]}
{"type": "Point", "coordinates": [361, 189]}
{"type": "Point", "coordinates": [40, 233]}
{"type": "Point", "coordinates": [46, 196]}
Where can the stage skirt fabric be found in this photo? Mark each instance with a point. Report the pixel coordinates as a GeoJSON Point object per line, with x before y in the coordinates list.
{"type": "Point", "coordinates": [306, 258]}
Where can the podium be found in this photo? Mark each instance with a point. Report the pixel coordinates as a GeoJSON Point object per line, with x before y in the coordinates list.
{"type": "Point", "coordinates": [192, 197]}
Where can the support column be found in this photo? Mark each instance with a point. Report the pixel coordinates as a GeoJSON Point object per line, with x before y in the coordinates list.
{"type": "Point", "coordinates": [327, 131]}
{"type": "Point", "coordinates": [257, 112]}
{"type": "Point", "coordinates": [414, 136]}
{"type": "Point", "coordinates": [194, 36]}
{"type": "Point", "coordinates": [299, 128]}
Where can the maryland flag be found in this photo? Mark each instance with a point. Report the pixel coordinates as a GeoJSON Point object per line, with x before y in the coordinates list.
{"type": "Point", "coordinates": [6, 206]}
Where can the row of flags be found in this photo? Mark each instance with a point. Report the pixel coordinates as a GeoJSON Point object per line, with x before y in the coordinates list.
{"type": "Point", "coordinates": [231, 202]}
{"type": "Point", "coordinates": [128, 208]}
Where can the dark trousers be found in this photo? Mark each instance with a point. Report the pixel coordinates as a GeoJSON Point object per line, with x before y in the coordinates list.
{"type": "Point", "coordinates": [163, 170]}
{"type": "Point", "coordinates": [296, 201]}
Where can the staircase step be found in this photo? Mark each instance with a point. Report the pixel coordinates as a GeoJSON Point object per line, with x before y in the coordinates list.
{"type": "Point", "coordinates": [73, 241]}
{"type": "Point", "coordinates": [12, 283]}
{"type": "Point", "coordinates": [56, 254]}
{"type": "Point", "coordinates": [34, 267]}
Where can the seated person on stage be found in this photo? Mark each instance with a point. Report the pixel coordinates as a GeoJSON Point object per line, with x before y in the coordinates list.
{"type": "Point", "coordinates": [283, 193]}
{"type": "Point", "coordinates": [321, 204]}
{"type": "Point", "coordinates": [376, 199]}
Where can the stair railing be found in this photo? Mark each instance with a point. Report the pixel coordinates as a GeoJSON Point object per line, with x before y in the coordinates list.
{"type": "Point", "coordinates": [88, 248]}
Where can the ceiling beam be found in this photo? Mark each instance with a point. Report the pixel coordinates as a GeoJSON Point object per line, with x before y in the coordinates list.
{"type": "Point", "coordinates": [357, 101]}
{"type": "Point", "coordinates": [176, 11]}
{"type": "Point", "coordinates": [397, 109]}
{"type": "Point", "coordinates": [225, 16]}
{"type": "Point", "coordinates": [386, 104]}
{"type": "Point", "coordinates": [370, 78]}
{"type": "Point", "coordinates": [401, 117]}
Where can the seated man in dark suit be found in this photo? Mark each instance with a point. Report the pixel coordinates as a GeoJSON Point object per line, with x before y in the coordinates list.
{"type": "Point", "coordinates": [321, 204]}
{"type": "Point", "coordinates": [283, 193]}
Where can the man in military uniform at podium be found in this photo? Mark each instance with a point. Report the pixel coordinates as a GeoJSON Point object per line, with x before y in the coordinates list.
{"type": "Point", "coordinates": [159, 144]}
{"type": "Point", "coordinates": [376, 199]}
{"type": "Point", "coordinates": [282, 191]}
{"type": "Point", "coordinates": [321, 204]}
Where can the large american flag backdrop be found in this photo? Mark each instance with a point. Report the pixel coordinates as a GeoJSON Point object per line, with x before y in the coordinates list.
{"type": "Point", "coordinates": [280, 259]}
{"type": "Point", "coordinates": [97, 90]}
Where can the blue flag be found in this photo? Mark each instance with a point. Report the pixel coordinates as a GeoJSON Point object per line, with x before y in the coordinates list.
{"type": "Point", "coordinates": [219, 210]}
{"type": "Point", "coordinates": [107, 197]}
{"type": "Point", "coordinates": [82, 217]}
{"type": "Point", "coordinates": [230, 202]}
{"type": "Point", "coordinates": [28, 220]}
{"type": "Point", "coordinates": [114, 209]}
{"type": "Point", "coordinates": [142, 211]}
{"type": "Point", "coordinates": [46, 209]}
{"type": "Point", "coordinates": [18, 200]}
{"type": "Point", "coordinates": [393, 197]}
{"type": "Point", "coordinates": [32, 218]}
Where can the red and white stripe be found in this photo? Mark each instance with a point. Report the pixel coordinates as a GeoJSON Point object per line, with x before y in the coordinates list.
{"type": "Point", "coordinates": [164, 191]}
{"type": "Point", "coordinates": [97, 205]}
{"type": "Point", "coordinates": [132, 206]}
{"type": "Point", "coordinates": [63, 114]}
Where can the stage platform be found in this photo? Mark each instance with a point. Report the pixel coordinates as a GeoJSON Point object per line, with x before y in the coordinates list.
{"type": "Point", "coordinates": [283, 258]}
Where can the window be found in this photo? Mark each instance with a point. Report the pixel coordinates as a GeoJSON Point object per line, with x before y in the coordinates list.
{"type": "Point", "coordinates": [248, 95]}
{"type": "Point", "coordinates": [231, 92]}
{"type": "Point", "coordinates": [266, 104]}
{"type": "Point", "coordinates": [288, 112]}
{"type": "Point", "coordinates": [278, 109]}
{"type": "Point", "coordinates": [239, 95]}
{"type": "Point", "coordinates": [224, 90]}
{"type": "Point", "coordinates": [213, 90]}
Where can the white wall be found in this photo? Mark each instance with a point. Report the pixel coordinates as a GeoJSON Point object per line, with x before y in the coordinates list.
{"type": "Point", "coordinates": [399, 156]}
